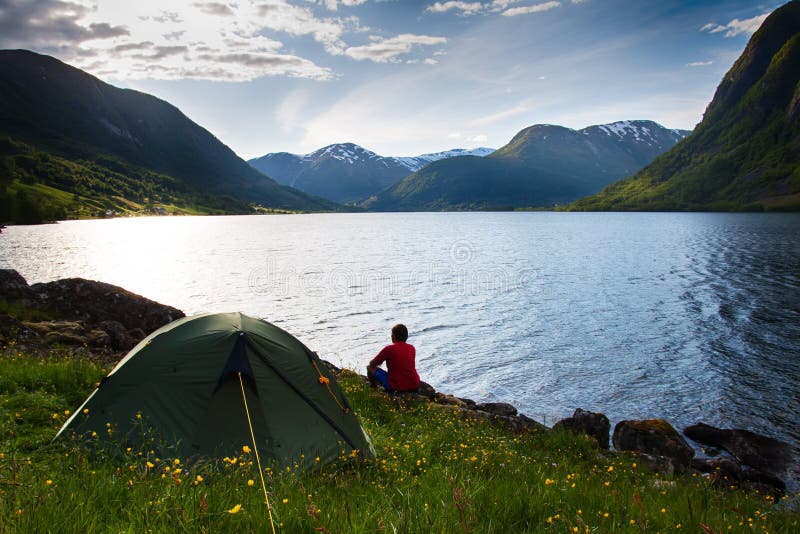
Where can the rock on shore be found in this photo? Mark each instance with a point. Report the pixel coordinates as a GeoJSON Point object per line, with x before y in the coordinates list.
{"type": "Point", "coordinates": [82, 312]}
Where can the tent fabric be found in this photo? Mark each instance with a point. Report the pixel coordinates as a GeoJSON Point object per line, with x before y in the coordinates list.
{"type": "Point", "coordinates": [182, 383]}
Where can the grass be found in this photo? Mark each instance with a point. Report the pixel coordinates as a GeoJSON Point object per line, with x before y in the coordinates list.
{"type": "Point", "coordinates": [436, 471]}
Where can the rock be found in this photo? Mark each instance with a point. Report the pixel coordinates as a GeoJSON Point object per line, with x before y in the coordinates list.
{"type": "Point", "coordinates": [93, 302]}
{"type": "Point", "coordinates": [469, 402]}
{"type": "Point", "coordinates": [496, 408]}
{"type": "Point", "coordinates": [65, 338]}
{"type": "Point", "coordinates": [12, 329]}
{"type": "Point", "coordinates": [441, 398]}
{"type": "Point", "coordinates": [426, 390]}
{"type": "Point", "coordinates": [724, 470]}
{"type": "Point", "coordinates": [763, 453]}
{"type": "Point", "coordinates": [137, 334]}
{"type": "Point", "coordinates": [119, 338]}
{"type": "Point", "coordinates": [98, 338]}
{"type": "Point", "coordinates": [756, 476]}
{"type": "Point", "coordinates": [593, 424]}
{"type": "Point", "coordinates": [655, 437]}
{"type": "Point", "coordinates": [14, 288]}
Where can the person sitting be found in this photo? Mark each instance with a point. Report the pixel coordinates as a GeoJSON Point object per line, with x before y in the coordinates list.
{"type": "Point", "coordinates": [400, 362]}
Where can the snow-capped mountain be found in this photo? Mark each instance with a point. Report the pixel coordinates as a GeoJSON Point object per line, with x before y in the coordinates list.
{"type": "Point", "coordinates": [415, 163]}
{"type": "Point", "coordinates": [346, 172]}
{"type": "Point", "coordinates": [542, 165]}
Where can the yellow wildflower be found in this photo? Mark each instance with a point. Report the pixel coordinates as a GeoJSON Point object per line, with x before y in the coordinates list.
{"type": "Point", "coordinates": [236, 509]}
{"type": "Point", "coordinates": [610, 468]}
{"type": "Point", "coordinates": [48, 482]}
{"type": "Point", "coordinates": [251, 482]}
{"type": "Point", "coordinates": [285, 501]}
{"type": "Point", "coordinates": [246, 449]}
{"type": "Point", "coordinates": [85, 411]}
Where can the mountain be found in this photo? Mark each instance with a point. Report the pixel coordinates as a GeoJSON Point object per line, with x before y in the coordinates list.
{"type": "Point", "coordinates": [415, 163]}
{"type": "Point", "coordinates": [745, 154]}
{"type": "Point", "coordinates": [345, 172]}
{"type": "Point", "coordinates": [542, 165]}
{"type": "Point", "coordinates": [73, 145]}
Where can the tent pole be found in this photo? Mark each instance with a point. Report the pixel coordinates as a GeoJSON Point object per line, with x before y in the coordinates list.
{"type": "Point", "coordinates": [258, 458]}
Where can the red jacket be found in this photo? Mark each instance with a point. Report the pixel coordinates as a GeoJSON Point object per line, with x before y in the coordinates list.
{"type": "Point", "coordinates": [400, 360]}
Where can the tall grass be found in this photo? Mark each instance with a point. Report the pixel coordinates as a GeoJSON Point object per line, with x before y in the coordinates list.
{"type": "Point", "coordinates": [437, 471]}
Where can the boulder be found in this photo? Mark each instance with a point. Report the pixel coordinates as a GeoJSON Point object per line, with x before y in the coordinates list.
{"type": "Point", "coordinates": [426, 390]}
{"type": "Point", "coordinates": [65, 338]}
{"type": "Point", "coordinates": [469, 402]}
{"type": "Point", "coordinates": [655, 437]}
{"type": "Point", "coordinates": [592, 424]}
{"type": "Point", "coordinates": [496, 408]}
{"type": "Point", "coordinates": [763, 453]}
{"type": "Point", "coordinates": [93, 302]}
{"type": "Point", "coordinates": [14, 288]}
{"type": "Point", "coordinates": [723, 469]}
{"type": "Point", "coordinates": [119, 338]}
{"type": "Point", "coordinates": [98, 338]}
{"type": "Point", "coordinates": [442, 398]}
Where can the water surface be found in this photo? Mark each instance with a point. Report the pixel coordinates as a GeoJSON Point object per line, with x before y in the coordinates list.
{"type": "Point", "coordinates": [691, 317]}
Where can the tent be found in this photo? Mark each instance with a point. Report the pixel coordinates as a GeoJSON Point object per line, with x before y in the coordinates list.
{"type": "Point", "coordinates": [187, 383]}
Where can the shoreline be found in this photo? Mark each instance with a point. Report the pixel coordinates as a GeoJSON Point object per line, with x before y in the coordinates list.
{"type": "Point", "coordinates": [106, 321]}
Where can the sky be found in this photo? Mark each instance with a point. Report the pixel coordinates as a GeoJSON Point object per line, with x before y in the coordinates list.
{"type": "Point", "coordinates": [398, 77]}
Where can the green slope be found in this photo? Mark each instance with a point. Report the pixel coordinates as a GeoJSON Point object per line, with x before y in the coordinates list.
{"type": "Point", "coordinates": [543, 165]}
{"type": "Point", "coordinates": [745, 154]}
{"type": "Point", "coordinates": [65, 129]}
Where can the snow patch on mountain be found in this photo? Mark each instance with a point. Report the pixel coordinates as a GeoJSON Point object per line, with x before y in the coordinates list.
{"type": "Point", "coordinates": [415, 163]}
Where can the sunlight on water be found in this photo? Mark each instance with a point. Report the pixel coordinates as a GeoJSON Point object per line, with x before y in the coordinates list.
{"type": "Point", "coordinates": [684, 316]}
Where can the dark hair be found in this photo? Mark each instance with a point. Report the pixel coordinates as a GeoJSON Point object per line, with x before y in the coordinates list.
{"type": "Point", "coordinates": [400, 332]}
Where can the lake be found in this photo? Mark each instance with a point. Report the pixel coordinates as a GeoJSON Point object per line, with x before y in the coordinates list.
{"type": "Point", "coordinates": [691, 317]}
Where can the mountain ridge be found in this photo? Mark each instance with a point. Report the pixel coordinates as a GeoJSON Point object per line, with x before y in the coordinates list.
{"type": "Point", "coordinates": [345, 172]}
{"type": "Point", "coordinates": [541, 166]}
{"type": "Point", "coordinates": [745, 153]}
{"type": "Point", "coordinates": [67, 130]}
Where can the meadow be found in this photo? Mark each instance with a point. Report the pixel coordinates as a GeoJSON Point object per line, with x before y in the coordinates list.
{"type": "Point", "coordinates": [437, 470]}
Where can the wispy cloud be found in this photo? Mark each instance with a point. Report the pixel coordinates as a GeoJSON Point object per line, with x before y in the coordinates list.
{"type": "Point", "coordinates": [496, 6]}
{"type": "Point", "coordinates": [526, 10]}
{"type": "Point", "coordinates": [522, 107]}
{"type": "Point", "coordinates": [333, 5]}
{"type": "Point", "coordinates": [736, 26]}
{"type": "Point", "coordinates": [699, 63]}
{"type": "Point", "coordinates": [389, 50]}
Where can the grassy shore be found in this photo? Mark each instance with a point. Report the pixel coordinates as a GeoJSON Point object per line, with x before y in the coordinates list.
{"type": "Point", "coordinates": [437, 471]}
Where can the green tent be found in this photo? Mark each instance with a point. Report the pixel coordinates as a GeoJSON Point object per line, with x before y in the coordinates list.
{"type": "Point", "coordinates": [185, 383]}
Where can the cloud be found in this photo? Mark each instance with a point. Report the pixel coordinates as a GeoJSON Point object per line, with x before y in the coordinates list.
{"type": "Point", "coordinates": [214, 8]}
{"type": "Point", "coordinates": [466, 8]}
{"type": "Point", "coordinates": [495, 6]}
{"type": "Point", "coordinates": [388, 50]}
{"type": "Point", "coordinates": [736, 26]}
{"type": "Point", "coordinates": [50, 25]}
{"type": "Point", "coordinates": [333, 5]}
{"type": "Point", "coordinates": [227, 41]}
{"type": "Point", "coordinates": [522, 107]}
{"type": "Point", "coordinates": [699, 63]}
{"type": "Point", "coordinates": [525, 10]}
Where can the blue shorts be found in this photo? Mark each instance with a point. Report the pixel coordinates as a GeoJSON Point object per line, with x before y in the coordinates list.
{"type": "Point", "coordinates": [383, 377]}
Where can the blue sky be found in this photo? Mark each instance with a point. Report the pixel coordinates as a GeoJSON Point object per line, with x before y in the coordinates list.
{"type": "Point", "coordinates": [399, 77]}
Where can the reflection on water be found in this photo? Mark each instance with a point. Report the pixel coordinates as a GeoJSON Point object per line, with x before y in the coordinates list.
{"type": "Point", "coordinates": [685, 316]}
